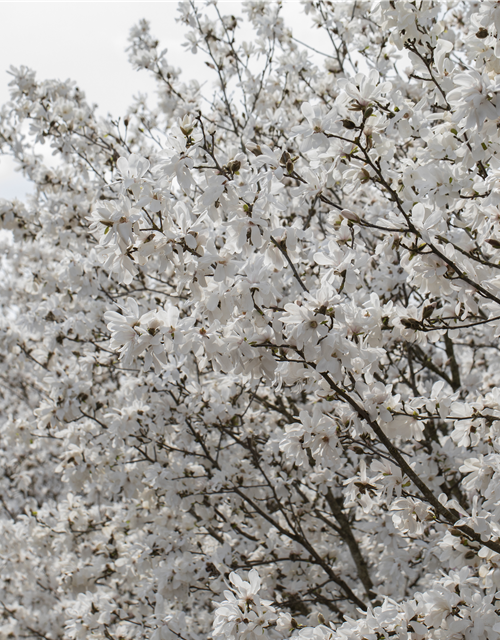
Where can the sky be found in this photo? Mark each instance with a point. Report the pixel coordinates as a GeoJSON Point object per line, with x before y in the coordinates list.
{"type": "Point", "coordinates": [86, 41]}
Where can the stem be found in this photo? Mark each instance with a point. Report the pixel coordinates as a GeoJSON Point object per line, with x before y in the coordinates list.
{"type": "Point", "coordinates": [290, 263]}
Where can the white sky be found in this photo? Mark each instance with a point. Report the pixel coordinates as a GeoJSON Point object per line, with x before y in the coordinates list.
{"type": "Point", "coordinates": [86, 41]}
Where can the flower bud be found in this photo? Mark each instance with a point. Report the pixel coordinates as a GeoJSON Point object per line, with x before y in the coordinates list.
{"type": "Point", "coordinates": [285, 157]}
{"type": "Point", "coordinates": [348, 124]}
{"type": "Point", "coordinates": [349, 215]}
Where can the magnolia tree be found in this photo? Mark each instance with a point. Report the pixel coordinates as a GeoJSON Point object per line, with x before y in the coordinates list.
{"type": "Point", "coordinates": [250, 337]}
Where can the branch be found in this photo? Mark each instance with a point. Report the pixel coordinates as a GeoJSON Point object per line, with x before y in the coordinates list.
{"type": "Point", "coordinates": [290, 263]}
{"type": "Point", "coordinates": [347, 535]}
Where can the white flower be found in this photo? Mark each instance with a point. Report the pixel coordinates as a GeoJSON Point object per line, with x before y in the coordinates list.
{"type": "Point", "coordinates": [474, 99]}
{"type": "Point", "coordinates": [246, 591]}
{"type": "Point", "coordinates": [243, 614]}
{"type": "Point", "coordinates": [132, 169]}
{"type": "Point", "coordinates": [317, 124]}
{"type": "Point", "coordinates": [366, 88]}
{"type": "Point", "coordinates": [303, 324]}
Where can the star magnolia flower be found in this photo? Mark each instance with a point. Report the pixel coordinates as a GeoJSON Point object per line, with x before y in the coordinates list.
{"type": "Point", "coordinates": [474, 99]}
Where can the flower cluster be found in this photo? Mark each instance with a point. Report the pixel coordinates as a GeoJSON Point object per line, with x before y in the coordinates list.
{"type": "Point", "coordinates": [249, 357]}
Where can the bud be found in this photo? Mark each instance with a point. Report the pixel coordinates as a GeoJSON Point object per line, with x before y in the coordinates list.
{"type": "Point", "coordinates": [482, 33]}
{"type": "Point", "coordinates": [234, 166]}
{"type": "Point", "coordinates": [187, 125]}
{"type": "Point", "coordinates": [255, 149]}
{"type": "Point", "coordinates": [285, 157]}
{"type": "Point", "coordinates": [411, 323]}
{"type": "Point", "coordinates": [210, 128]}
{"type": "Point", "coordinates": [494, 243]}
{"type": "Point", "coordinates": [348, 124]}
{"type": "Point", "coordinates": [364, 176]}
{"type": "Point", "coordinates": [428, 311]}
{"type": "Point", "coordinates": [350, 215]}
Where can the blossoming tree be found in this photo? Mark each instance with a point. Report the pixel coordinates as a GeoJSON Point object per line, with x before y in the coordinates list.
{"type": "Point", "coordinates": [249, 341]}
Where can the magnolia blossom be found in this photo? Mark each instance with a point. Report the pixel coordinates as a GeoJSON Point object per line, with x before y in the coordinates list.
{"type": "Point", "coordinates": [243, 613]}
{"type": "Point", "coordinates": [475, 99]}
{"type": "Point", "coordinates": [365, 89]}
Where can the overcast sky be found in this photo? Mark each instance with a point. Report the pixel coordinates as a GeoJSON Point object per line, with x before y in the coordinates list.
{"type": "Point", "coordinates": [86, 41]}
